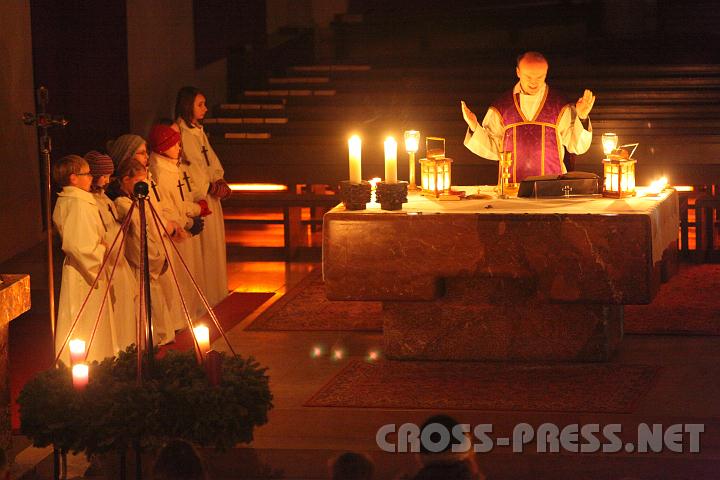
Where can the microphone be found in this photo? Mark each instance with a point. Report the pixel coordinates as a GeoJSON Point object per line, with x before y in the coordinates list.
{"type": "Point", "coordinates": [141, 190]}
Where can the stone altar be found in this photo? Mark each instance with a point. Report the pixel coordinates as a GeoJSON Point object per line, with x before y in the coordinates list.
{"type": "Point", "coordinates": [14, 300]}
{"type": "Point", "coordinates": [506, 280]}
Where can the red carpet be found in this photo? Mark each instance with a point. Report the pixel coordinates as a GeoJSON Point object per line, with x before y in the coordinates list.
{"type": "Point", "coordinates": [306, 308]}
{"type": "Point", "coordinates": [688, 304]}
{"type": "Point", "coordinates": [229, 312]}
{"type": "Point", "coordinates": [597, 388]}
{"type": "Point", "coordinates": [31, 349]}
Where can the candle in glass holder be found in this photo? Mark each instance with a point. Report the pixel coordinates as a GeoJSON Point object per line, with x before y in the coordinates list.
{"type": "Point", "coordinates": [77, 351]}
{"type": "Point", "coordinates": [202, 335]}
{"type": "Point", "coordinates": [390, 160]}
{"type": "Point", "coordinates": [355, 149]}
{"type": "Point", "coordinates": [80, 373]}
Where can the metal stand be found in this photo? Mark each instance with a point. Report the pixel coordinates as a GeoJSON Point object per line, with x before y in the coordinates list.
{"type": "Point", "coordinates": [44, 121]}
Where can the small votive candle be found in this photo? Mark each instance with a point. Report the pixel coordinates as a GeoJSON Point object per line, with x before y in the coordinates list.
{"type": "Point", "coordinates": [77, 351]}
{"type": "Point", "coordinates": [80, 372]}
{"type": "Point", "coordinates": [202, 335]}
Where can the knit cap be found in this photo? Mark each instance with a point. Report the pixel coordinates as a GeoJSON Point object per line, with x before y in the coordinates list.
{"type": "Point", "coordinates": [124, 147]}
{"type": "Point", "coordinates": [163, 137]}
{"type": "Point", "coordinates": [100, 164]}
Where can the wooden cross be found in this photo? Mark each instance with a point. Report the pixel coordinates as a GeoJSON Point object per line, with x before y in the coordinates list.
{"type": "Point", "coordinates": [187, 181]}
{"type": "Point", "coordinates": [180, 185]}
{"type": "Point", "coordinates": [204, 151]}
{"type": "Point", "coordinates": [154, 189]}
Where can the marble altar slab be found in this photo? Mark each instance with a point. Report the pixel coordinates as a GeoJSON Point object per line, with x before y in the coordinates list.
{"type": "Point", "coordinates": [568, 250]}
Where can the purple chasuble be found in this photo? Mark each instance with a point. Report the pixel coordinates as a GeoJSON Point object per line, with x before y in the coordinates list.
{"type": "Point", "coordinates": [535, 142]}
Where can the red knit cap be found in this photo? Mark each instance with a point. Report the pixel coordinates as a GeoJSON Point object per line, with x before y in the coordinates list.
{"type": "Point", "coordinates": [162, 138]}
{"type": "Point", "coordinates": [100, 164]}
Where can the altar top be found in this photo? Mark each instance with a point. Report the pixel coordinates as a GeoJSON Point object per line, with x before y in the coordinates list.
{"type": "Point", "coordinates": [576, 249]}
{"type": "Point", "coordinates": [642, 203]}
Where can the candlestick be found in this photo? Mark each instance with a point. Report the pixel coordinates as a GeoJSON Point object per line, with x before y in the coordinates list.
{"type": "Point", "coordinates": [77, 351]}
{"type": "Point", "coordinates": [80, 374]}
{"type": "Point", "coordinates": [355, 154]}
{"type": "Point", "coordinates": [202, 335]}
{"type": "Point", "coordinates": [412, 143]}
{"type": "Point", "coordinates": [390, 160]}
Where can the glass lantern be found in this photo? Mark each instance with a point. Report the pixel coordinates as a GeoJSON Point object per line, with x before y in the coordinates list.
{"type": "Point", "coordinates": [618, 177]}
{"type": "Point", "coordinates": [435, 176]}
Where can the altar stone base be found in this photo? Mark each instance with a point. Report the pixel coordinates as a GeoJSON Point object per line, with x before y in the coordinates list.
{"type": "Point", "coordinates": [500, 319]}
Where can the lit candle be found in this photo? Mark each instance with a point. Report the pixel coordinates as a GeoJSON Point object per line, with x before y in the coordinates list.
{"type": "Point", "coordinates": [390, 160]}
{"type": "Point", "coordinates": [202, 335]}
{"type": "Point", "coordinates": [77, 351]}
{"type": "Point", "coordinates": [355, 149]}
{"type": "Point", "coordinates": [80, 376]}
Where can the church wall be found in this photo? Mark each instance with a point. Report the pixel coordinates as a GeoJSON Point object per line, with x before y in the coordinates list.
{"type": "Point", "coordinates": [20, 208]}
{"type": "Point", "coordinates": [161, 59]}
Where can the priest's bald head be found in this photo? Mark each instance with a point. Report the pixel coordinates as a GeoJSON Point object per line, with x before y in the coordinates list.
{"type": "Point", "coordinates": [532, 69]}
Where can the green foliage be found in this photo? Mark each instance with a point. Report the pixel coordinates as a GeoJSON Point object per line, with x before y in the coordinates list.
{"type": "Point", "coordinates": [115, 412]}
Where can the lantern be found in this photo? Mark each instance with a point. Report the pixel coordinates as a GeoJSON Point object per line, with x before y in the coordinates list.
{"type": "Point", "coordinates": [619, 177]}
{"type": "Point", "coordinates": [435, 175]}
{"type": "Point", "coordinates": [618, 169]}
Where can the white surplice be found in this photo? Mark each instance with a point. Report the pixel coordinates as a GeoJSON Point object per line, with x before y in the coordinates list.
{"type": "Point", "coordinates": [181, 210]}
{"type": "Point", "coordinates": [76, 217]}
{"type": "Point", "coordinates": [123, 287]}
{"type": "Point", "coordinates": [202, 172]}
{"type": "Point", "coordinates": [166, 311]}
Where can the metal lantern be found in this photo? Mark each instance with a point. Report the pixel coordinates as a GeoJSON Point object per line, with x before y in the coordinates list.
{"type": "Point", "coordinates": [619, 177]}
{"type": "Point", "coordinates": [435, 175]}
{"type": "Point", "coordinates": [618, 170]}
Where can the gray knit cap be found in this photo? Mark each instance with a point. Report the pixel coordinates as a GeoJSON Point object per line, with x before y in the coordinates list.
{"type": "Point", "coordinates": [124, 147]}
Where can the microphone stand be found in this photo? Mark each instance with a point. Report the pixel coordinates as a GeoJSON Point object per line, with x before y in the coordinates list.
{"type": "Point", "coordinates": [44, 121]}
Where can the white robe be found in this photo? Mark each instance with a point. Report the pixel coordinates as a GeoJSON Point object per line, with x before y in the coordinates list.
{"type": "Point", "coordinates": [212, 238]}
{"type": "Point", "coordinates": [123, 287]}
{"type": "Point", "coordinates": [167, 315]}
{"type": "Point", "coordinates": [77, 219]}
{"type": "Point", "coordinates": [175, 208]}
{"type": "Point", "coordinates": [485, 139]}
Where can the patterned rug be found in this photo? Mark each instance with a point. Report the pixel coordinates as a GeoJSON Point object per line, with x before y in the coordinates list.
{"type": "Point", "coordinates": [689, 304]}
{"type": "Point", "coordinates": [306, 308]}
{"type": "Point", "coordinates": [597, 388]}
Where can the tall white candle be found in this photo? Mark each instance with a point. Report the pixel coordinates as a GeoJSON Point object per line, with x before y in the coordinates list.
{"type": "Point", "coordinates": [77, 351]}
{"type": "Point", "coordinates": [80, 374]}
{"type": "Point", "coordinates": [390, 160]}
{"type": "Point", "coordinates": [355, 149]}
{"type": "Point", "coordinates": [202, 335]}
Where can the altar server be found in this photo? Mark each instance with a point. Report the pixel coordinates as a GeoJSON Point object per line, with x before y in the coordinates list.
{"type": "Point", "coordinates": [77, 220]}
{"type": "Point", "coordinates": [179, 207]}
{"type": "Point", "coordinates": [205, 175]}
{"type": "Point", "coordinates": [123, 287]}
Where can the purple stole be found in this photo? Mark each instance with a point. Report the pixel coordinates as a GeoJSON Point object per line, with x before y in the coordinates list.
{"type": "Point", "coordinates": [535, 142]}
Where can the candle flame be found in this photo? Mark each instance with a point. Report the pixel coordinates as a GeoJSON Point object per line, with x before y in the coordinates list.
{"type": "Point", "coordinates": [657, 186]}
{"type": "Point", "coordinates": [77, 346]}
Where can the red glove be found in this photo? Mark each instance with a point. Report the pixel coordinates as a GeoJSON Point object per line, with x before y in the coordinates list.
{"type": "Point", "coordinates": [220, 189]}
{"type": "Point", "coordinates": [204, 210]}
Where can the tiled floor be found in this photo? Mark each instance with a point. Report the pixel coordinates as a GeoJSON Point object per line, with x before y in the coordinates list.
{"type": "Point", "coordinates": [298, 440]}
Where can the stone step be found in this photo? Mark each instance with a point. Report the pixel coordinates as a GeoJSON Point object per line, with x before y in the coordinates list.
{"type": "Point", "coordinates": [289, 93]}
{"type": "Point", "coordinates": [334, 68]}
{"type": "Point", "coordinates": [298, 80]}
